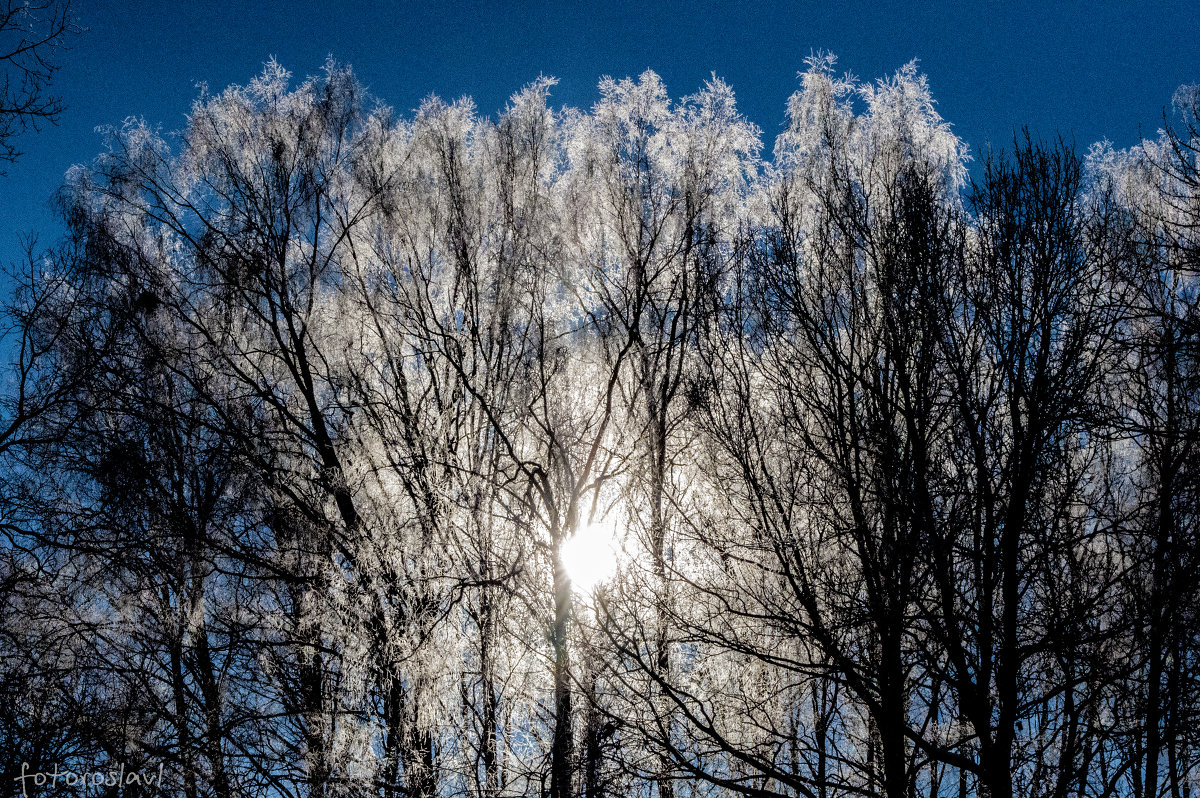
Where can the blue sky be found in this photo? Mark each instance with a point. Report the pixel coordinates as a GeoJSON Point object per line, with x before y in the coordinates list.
{"type": "Point", "coordinates": [1086, 70]}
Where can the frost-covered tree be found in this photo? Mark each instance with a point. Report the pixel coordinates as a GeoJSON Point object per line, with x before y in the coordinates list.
{"type": "Point", "coordinates": [325, 416]}
{"type": "Point", "coordinates": [1156, 186]}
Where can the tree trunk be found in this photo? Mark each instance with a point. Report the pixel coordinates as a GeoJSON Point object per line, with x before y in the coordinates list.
{"type": "Point", "coordinates": [562, 746]}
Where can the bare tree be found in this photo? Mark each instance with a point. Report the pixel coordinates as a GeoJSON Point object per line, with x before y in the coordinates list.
{"type": "Point", "coordinates": [30, 36]}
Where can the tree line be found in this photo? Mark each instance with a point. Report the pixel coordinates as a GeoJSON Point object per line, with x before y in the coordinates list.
{"type": "Point", "coordinates": [899, 458]}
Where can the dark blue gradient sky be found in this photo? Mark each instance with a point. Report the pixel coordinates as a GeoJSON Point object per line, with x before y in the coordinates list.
{"type": "Point", "coordinates": [1084, 70]}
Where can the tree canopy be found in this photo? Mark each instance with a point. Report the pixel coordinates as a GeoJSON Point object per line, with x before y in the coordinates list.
{"type": "Point", "coordinates": [589, 452]}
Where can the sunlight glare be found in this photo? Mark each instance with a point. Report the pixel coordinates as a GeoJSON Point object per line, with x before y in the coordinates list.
{"type": "Point", "coordinates": [590, 557]}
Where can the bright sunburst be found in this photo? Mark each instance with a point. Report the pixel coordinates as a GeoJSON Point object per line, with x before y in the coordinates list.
{"type": "Point", "coordinates": [590, 557]}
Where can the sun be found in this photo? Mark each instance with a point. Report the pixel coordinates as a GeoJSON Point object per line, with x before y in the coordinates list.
{"type": "Point", "coordinates": [590, 556]}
